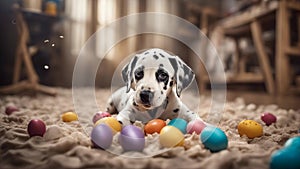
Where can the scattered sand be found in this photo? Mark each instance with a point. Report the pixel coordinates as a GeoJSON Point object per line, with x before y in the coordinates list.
{"type": "Point", "coordinates": [67, 145]}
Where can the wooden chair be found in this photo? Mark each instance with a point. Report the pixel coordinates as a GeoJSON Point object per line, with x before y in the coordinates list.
{"type": "Point", "coordinates": [284, 48]}
{"type": "Point", "coordinates": [23, 55]}
{"type": "Point", "coordinates": [251, 23]}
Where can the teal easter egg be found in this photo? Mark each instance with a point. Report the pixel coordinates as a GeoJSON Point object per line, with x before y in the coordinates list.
{"type": "Point", "coordinates": [286, 158]}
{"type": "Point", "coordinates": [293, 143]}
{"type": "Point", "coordinates": [179, 124]}
{"type": "Point", "coordinates": [214, 139]}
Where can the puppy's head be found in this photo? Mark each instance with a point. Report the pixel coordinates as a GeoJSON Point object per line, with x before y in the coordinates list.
{"type": "Point", "coordinates": [153, 74]}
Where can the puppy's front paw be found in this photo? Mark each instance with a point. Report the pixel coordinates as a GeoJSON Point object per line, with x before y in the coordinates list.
{"type": "Point", "coordinates": [123, 120]}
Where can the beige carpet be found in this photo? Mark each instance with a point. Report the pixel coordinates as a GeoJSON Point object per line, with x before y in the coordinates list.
{"type": "Point", "coordinates": [66, 145]}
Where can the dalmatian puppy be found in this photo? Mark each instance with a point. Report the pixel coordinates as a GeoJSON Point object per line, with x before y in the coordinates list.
{"type": "Point", "coordinates": [154, 82]}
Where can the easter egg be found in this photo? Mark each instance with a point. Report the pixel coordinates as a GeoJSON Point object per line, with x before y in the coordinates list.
{"type": "Point", "coordinates": [268, 118]}
{"type": "Point", "coordinates": [154, 126]}
{"type": "Point", "coordinates": [179, 123]}
{"type": "Point", "coordinates": [214, 139]}
{"type": "Point", "coordinates": [111, 122]}
{"type": "Point", "coordinates": [102, 136]}
{"type": "Point", "coordinates": [250, 128]}
{"type": "Point", "coordinates": [132, 138]}
{"type": "Point", "coordinates": [293, 143]}
{"type": "Point", "coordinates": [36, 127]}
{"type": "Point", "coordinates": [69, 116]}
{"type": "Point", "coordinates": [286, 158]}
{"type": "Point", "coordinates": [171, 136]}
{"type": "Point", "coordinates": [10, 109]}
{"type": "Point", "coordinates": [195, 126]}
{"type": "Point", "coordinates": [100, 115]}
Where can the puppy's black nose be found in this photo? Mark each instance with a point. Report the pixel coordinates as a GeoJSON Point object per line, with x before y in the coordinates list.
{"type": "Point", "coordinates": [146, 96]}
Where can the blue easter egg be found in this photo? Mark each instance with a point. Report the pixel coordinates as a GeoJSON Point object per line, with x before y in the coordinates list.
{"type": "Point", "coordinates": [286, 158]}
{"type": "Point", "coordinates": [214, 139]}
{"type": "Point", "coordinates": [179, 123]}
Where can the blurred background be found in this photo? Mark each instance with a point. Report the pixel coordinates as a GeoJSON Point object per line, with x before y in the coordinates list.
{"type": "Point", "coordinates": [257, 40]}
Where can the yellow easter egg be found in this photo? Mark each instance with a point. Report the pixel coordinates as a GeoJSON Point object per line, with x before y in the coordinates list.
{"type": "Point", "coordinates": [111, 122]}
{"type": "Point", "coordinates": [69, 116]}
{"type": "Point", "coordinates": [170, 136]}
{"type": "Point", "coordinates": [250, 128]}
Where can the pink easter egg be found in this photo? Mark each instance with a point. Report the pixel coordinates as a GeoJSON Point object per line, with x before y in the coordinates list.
{"type": "Point", "coordinates": [195, 126]}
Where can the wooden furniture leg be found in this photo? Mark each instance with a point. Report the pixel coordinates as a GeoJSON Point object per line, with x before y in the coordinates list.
{"type": "Point", "coordinates": [282, 61]}
{"type": "Point", "coordinates": [237, 55]}
{"type": "Point", "coordinates": [262, 56]}
{"type": "Point", "coordinates": [17, 68]}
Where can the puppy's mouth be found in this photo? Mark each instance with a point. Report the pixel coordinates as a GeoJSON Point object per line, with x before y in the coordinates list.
{"type": "Point", "coordinates": [142, 106]}
{"type": "Point", "coordinates": [146, 106]}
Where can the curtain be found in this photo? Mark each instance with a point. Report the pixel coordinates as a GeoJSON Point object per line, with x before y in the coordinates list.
{"type": "Point", "coordinates": [85, 17]}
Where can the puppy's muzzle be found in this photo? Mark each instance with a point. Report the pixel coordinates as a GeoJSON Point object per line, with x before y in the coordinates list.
{"type": "Point", "coordinates": [146, 97]}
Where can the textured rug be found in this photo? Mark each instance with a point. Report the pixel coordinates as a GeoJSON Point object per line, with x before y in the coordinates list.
{"type": "Point", "coordinates": [68, 145]}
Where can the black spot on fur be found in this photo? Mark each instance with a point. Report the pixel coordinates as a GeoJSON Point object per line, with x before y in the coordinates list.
{"type": "Point", "coordinates": [111, 104]}
{"type": "Point", "coordinates": [134, 62]}
{"type": "Point", "coordinates": [120, 122]}
{"type": "Point", "coordinates": [166, 103]}
{"type": "Point", "coordinates": [193, 113]}
{"type": "Point", "coordinates": [180, 63]}
{"type": "Point", "coordinates": [131, 122]}
{"type": "Point", "coordinates": [155, 57]}
{"type": "Point", "coordinates": [146, 53]}
{"type": "Point", "coordinates": [174, 64]}
{"type": "Point", "coordinates": [161, 92]}
{"type": "Point", "coordinates": [175, 110]}
{"type": "Point", "coordinates": [134, 104]}
{"type": "Point", "coordinates": [162, 55]}
{"type": "Point", "coordinates": [171, 83]}
{"type": "Point", "coordinates": [165, 87]}
{"type": "Point", "coordinates": [161, 65]}
{"type": "Point", "coordinates": [180, 78]}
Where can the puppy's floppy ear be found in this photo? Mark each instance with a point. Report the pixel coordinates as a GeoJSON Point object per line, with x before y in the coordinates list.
{"type": "Point", "coordinates": [127, 72]}
{"type": "Point", "coordinates": [183, 74]}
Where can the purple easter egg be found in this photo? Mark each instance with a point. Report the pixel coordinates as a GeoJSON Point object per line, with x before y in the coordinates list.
{"type": "Point", "coordinates": [132, 138]}
{"type": "Point", "coordinates": [100, 115]}
{"type": "Point", "coordinates": [268, 118]}
{"type": "Point", "coordinates": [36, 127]}
{"type": "Point", "coordinates": [10, 109]}
{"type": "Point", "coordinates": [102, 136]}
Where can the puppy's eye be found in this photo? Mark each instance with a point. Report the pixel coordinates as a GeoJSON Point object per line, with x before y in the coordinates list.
{"type": "Point", "coordinates": [162, 76]}
{"type": "Point", "coordinates": [139, 74]}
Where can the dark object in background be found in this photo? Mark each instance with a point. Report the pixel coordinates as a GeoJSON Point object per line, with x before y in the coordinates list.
{"type": "Point", "coordinates": [8, 41]}
{"type": "Point", "coordinates": [42, 64]}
